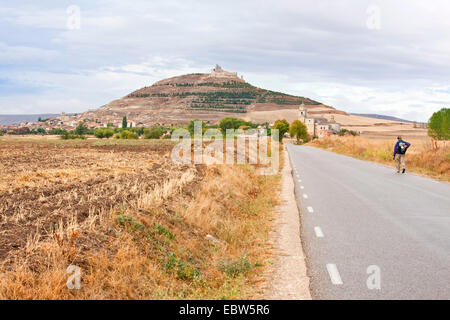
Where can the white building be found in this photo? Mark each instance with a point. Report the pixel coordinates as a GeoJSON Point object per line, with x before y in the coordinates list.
{"type": "Point", "coordinates": [318, 127]}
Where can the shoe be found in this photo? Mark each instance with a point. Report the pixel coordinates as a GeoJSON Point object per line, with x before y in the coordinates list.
{"type": "Point", "coordinates": [403, 171]}
{"type": "Point", "coordinates": [398, 171]}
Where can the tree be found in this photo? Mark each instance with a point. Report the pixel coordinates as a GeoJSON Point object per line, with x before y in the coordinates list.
{"type": "Point", "coordinates": [299, 131]}
{"type": "Point", "coordinates": [124, 122]}
{"type": "Point", "coordinates": [81, 129]}
{"type": "Point", "coordinates": [192, 124]}
{"type": "Point", "coordinates": [439, 124]}
{"type": "Point", "coordinates": [57, 131]}
{"type": "Point", "coordinates": [282, 126]}
{"type": "Point", "coordinates": [41, 131]}
{"type": "Point", "coordinates": [233, 123]}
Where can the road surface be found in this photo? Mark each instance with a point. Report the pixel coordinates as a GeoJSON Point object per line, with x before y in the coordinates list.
{"type": "Point", "coordinates": [368, 232]}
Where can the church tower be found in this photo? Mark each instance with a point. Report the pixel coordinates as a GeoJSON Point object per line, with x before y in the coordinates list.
{"type": "Point", "coordinates": [303, 113]}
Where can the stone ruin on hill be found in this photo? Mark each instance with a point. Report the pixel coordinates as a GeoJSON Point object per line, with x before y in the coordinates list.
{"type": "Point", "coordinates": [219, 72]}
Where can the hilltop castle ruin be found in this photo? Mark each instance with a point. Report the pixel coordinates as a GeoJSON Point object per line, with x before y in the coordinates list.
{"type": "Point", "coordinates": [219, 72]}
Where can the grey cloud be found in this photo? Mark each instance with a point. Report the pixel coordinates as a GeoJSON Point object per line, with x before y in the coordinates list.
{"type": "Point", "coordinates": [307, 41]}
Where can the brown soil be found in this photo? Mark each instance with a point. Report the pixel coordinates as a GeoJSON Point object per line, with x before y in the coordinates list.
{"type": "Point", "coordinates": [43, 185]}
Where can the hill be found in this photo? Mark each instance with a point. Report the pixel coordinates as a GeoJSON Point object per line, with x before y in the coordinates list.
{"type": "Point", "coordinates": [380, 116]}
{"type": "Point", "coordinates": [208, 96]}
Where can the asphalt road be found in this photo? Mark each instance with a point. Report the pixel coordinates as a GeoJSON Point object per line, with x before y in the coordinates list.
{"type": "Point", "coordinates": [368, 232]}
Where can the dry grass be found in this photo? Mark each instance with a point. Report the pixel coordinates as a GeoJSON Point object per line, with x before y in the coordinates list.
{"type": "Point", "coordinates": [421, 158]}
{"type": "Point", "coordinates": [135, 223]}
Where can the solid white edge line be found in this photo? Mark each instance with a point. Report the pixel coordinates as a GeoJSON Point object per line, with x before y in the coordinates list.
{"type": "Point", "coordinates": [318, 231]}
{"type": "Point", "coordinates": [334, 274]}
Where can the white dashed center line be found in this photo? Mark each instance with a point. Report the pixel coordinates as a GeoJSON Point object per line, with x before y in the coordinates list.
{"type": "Point", "coordinates": [310, 209]}
{"type": "Point", "coordinates": [305, 196]}
{"type": "Point", "coordinates": [299, 180]}
{"type": "Point", "coordinates": [318, 231]}
{"type": "Point", "coordinates": [334, 274]}
{"type": "Point", "coordinates": [302, 187]}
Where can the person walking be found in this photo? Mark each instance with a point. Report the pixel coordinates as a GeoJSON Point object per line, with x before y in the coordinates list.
{"type": "Point", "coordinates": [400, 153]}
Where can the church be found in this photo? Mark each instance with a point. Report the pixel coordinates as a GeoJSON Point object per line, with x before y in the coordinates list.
{"type": "Point", "coordinates": [318, 126]}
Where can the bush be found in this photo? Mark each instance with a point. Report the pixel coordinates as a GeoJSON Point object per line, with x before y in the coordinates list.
{"type": "Point", "coordinates": [184, 270]}
{"type": "Point", "coordinates": [233, 123]}
{"type": "Point", "coordinates": [234, 268]}
{"type": "Point", "coordinates": [71, 136]}
{"type": "Point", "coordinates": [126, 135]}
{"type": "Point", "coordinates": [103, 133]}
{"type": "Point", "coordinates": [344, 132]}
{"type": "Point", "coordinates": [129, 222]}
{"type": "Point", "coordinates": [41, 131]}
{"type": "Point", "coordinates": [245, 128]}
{"type": "Point", "coordinates": [57, 131]}
{"type": "Point", "coordinates": [153, 133]}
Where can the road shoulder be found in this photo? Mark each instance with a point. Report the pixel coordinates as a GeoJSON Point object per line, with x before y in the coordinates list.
{"type": "Point", "coordinates": [288, 278]}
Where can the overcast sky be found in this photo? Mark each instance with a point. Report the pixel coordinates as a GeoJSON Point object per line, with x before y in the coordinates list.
{"type": "Point", "coordinates": [387, 57]}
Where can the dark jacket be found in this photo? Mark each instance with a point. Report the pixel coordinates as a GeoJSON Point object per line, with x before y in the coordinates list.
{"type": "Point", "coordinates": [397, 149]}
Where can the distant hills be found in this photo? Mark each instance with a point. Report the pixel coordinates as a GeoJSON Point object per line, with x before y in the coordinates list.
{"type": "Point", "coordinates": [380, 116]}
{"type": "Point", "coordinates": [9, 119]}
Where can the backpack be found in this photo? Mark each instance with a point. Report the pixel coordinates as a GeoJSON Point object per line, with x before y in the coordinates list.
{"type": "Point", "coordinates": [402, 147]}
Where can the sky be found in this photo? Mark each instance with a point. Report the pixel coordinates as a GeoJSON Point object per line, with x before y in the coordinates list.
{"type": "Point", "coordinates": [386, 57]}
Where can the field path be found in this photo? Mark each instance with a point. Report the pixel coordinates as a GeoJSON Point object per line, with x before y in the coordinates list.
{"type": "Point", "coordinates": [368, 232]}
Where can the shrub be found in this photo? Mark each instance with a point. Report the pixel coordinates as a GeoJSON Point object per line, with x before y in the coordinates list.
{"type": "Point", "coordinates": [129, 222]}
{"type": "Point", "coordinates": [184, 271]}
{"type": "Point", "coordinates": [233, 123]}
{"type": "Point", "coordinates": [57, 131]}
{"type": "Point", "coordinates": [103, 133]}
{"type": "Point", "coordinates": [153, 133]}
{"type": "Point", "coordinates": [71, 136]}
{"type": "Point", "coordinates": [236, 267]}
{"type": "Point", "coordinates": [245, 128]}
{"type": "Point", "coordinates": [126, 135]}
{"type": "Point", "coordinates": [41, 131]}
{"type": "Point", "coordinates": [161, 230]}
{"type": "Point", "coordinates": [344, 132]}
